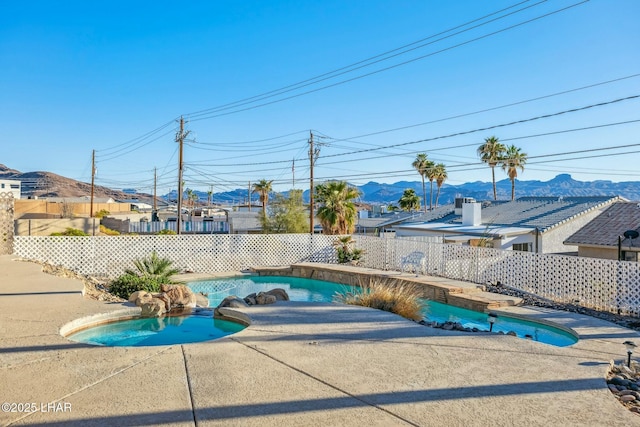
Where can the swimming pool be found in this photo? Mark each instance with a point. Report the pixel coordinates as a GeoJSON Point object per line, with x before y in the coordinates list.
{"type": "Point", "coordinates": [154, 331]}
{"type": "Point", "coordinates": [313, 290]}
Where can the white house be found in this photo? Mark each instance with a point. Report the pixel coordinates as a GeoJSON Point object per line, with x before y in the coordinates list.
{"type": "Point", "coordinates": [11, 186]}
{"type": "Point", "coordinates": [532, 224]}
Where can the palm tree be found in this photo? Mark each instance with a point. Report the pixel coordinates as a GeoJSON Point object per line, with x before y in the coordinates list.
{"type": "Point", "coordinates": [263, 187]}
{"type": "Point", "coordinates": [431, 175]}
{"type": "Point", "coordinates": [409, 201]}
{"type": "Point", "coordinates": [423, 165]}
{"type": "Point", "coordinates": [440, 174]}
{"type": "Point", "coordinates": [513, 160]}
{"type": "Point", "coordinates": [337, 212]}
{"type": "Point", "coordinates": [491, 153]}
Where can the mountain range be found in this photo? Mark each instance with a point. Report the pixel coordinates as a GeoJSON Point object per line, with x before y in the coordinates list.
{"type": "Point", "coordinates": [47, 184]}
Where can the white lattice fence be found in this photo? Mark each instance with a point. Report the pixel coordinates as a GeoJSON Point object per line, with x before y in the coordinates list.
{"type": "Point", "coordinates": [596, 283]}
{"type": "Point", "coordinates": [602, 284]}
{"type": "Point", "coordinates": [110, 255]}
{"type": "Point", "coordinates": [6, 223]}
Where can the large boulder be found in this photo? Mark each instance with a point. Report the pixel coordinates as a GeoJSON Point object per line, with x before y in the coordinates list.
{"type": "Point", "coordinates": [263, 298]}
{"type": "Point", "coordinates": [179, 295]}
{"type": "Point", "coordinates": [233, 301]}
{"type": "Point", "coordinates": [279, 293]}
{"type": "Point", "coordinates": [153, 308]}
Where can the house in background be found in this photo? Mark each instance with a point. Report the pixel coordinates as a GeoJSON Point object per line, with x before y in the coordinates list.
{"type": "Point", "coordinates": [11, 186]}
{"type": "Point", "coordinates": [532, 224]}
{"type": "Point", "coordinates": [611, 235]}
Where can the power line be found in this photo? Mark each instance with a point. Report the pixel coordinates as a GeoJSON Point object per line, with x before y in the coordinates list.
{"type": "Point", "coordinates": [214, 114]}
{"type": "Point", "coordinates": [360, 64]}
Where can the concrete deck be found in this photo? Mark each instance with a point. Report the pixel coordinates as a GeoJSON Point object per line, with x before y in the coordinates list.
{"type": "Point", "coordinates": [297, 364]}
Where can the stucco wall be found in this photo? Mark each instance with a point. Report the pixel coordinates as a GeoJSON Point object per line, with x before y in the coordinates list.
{"type": "Point", "coordinates": [551, 241]}
{"type": "Point", "coordinates": [27, 207]}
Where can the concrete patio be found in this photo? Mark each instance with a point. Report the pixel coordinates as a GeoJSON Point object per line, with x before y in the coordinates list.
{"type": "Point", "coordinates": [297, 364]}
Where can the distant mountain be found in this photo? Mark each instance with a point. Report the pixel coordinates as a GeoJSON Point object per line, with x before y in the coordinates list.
{"type": "Point", "coordinates": [379, 193]}
{"type": "Point", "coordinates": [47, 184]}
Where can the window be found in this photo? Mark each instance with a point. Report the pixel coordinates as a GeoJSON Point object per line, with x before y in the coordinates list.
{"type": "Point", "coordinates": [630, 256]}
{"type": "Point", "coordinates": [1, 185]}
{"type": "Point", "coordinates": [524, 247]}
{"type": "Point", "coordinates": [15, 186]}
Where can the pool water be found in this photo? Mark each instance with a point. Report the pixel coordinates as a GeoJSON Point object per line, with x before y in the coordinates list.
{"type": "Point", "coordinates": [298, 289]}
{"type": "Point", "coordinates": [157, 331]}
{"type": "Point", "coordinates": [312, 290]}
{"type": "Point", "coordinates": [535, 331]}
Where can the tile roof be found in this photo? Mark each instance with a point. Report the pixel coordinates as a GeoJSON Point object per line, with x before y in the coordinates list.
{"type": "Point", "coordinates": [606, 227]}
{"type": "Point", "coordinates": [544, 213]}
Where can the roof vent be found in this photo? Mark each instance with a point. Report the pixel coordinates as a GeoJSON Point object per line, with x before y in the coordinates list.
{"type": "Point", "coordinates": [459, 201]}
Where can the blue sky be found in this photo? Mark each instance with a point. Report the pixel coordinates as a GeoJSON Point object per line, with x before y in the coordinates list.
{"type": "Point", "coordinates": [115, 76]}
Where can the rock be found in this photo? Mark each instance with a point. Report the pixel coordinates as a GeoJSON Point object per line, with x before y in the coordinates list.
{"type": "Point", "coordinates": [263, 299]}
{"type": "Point", "coordinates": [202, 300]}
{"type": "Point", "coordinates": [165, 299]}
{"type": "Point", "coordinates": [179, 295]}
{"type": "Point", "coordinates": [137, 294]}
{"type": "Point", "coordinates": [279, 293]}
{"type": "Point", "coordinates": [627, 398]}
{"type": "Point", "coordinates": [613, 388]}
{"type": "Point", "coordinates": [250, 300]}
{"type": "Point", "coordinates": [233, 302]}
{"type": "Point", "coordinates": [447, 326]}
{"type": "Point", "coordinates": [618, 380]}
{"type": "Point", "coordinates": [512, 333]}
{"type": "Point", "coordinates": [153, 308]}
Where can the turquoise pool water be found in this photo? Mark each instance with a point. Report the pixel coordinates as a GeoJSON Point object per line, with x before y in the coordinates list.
{"type": "Point", "coordinates": [157, 331]}
{"type": "Point", "coordinates": [300, 289]}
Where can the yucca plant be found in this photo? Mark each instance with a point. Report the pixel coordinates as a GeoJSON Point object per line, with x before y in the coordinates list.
{"type": "Point", "coordinates": [399, 297]}
{"type": "Point", "coordinates": [345, 251]}
{"type": "Point", "coordinates": [149, 274]}
{"type": "Point", "coordinates": [153, 266]}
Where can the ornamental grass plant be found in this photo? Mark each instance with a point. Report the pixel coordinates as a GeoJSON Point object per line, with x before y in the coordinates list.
{"type": "Point", "coordinates": [400, 297]}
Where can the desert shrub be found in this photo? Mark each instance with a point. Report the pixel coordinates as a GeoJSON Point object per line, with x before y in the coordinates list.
{"type": "Point", "coordinates": [148, 275]}
{"type": "Point", "coordinates": [345, 251]}
{"type": "Point", "coordinates": [101, 213]}
{"type": "Point", "coordinates": [70, 232]}
{"type": "Point", "coordinates": [402, 298]}
{"type": "Point", "coordinates": [166, 231]}
{"type": "Point", "coordinates": [108, 231]}
{"type": "Point", "coordinates": [127, 284]}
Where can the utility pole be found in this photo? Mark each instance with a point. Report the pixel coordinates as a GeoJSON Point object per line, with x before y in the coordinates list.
{"type": "Point", "coordinates": [93, 176]}
{"type": "Point", "coordinates": [293, 173]}
{"type": "Point", "coordinates": [154, 214]}
{"type": "Point", "coordinates": [313, 156]}
{"type": "Point", "coordinates": [249, 196]}
{"type": "Point", "coordinates": [180, 137]}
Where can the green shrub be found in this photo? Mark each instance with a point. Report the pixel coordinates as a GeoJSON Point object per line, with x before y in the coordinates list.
{"type": "Point", "coordinates": [127, 284]}
{"type": "Point", "coordinates": [70, 232]}
{"type": "Point", "coordinates": [402, 298]}
{"type": "Point", "coordinates": [149, 274]}
{"type": "Point", "coordinates": [108, 231]}
{"type": "Point", "coordinates": [345, 251]}
{"type": "Point", "coordinates": [101, 213]}
{"type": "Point", "coordinates": [166, 231]}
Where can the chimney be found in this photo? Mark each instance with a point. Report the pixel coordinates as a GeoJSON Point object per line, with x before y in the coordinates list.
{"type": "Point", "coordinates": [471, 213]}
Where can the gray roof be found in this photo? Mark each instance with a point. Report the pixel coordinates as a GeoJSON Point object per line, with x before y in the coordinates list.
{"type": "Point", "coordinates": [541, 212]}
{"type": "Point", "coordinates": [398, 217]}
{"type": "Point", "coordinates": [606, 227]}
